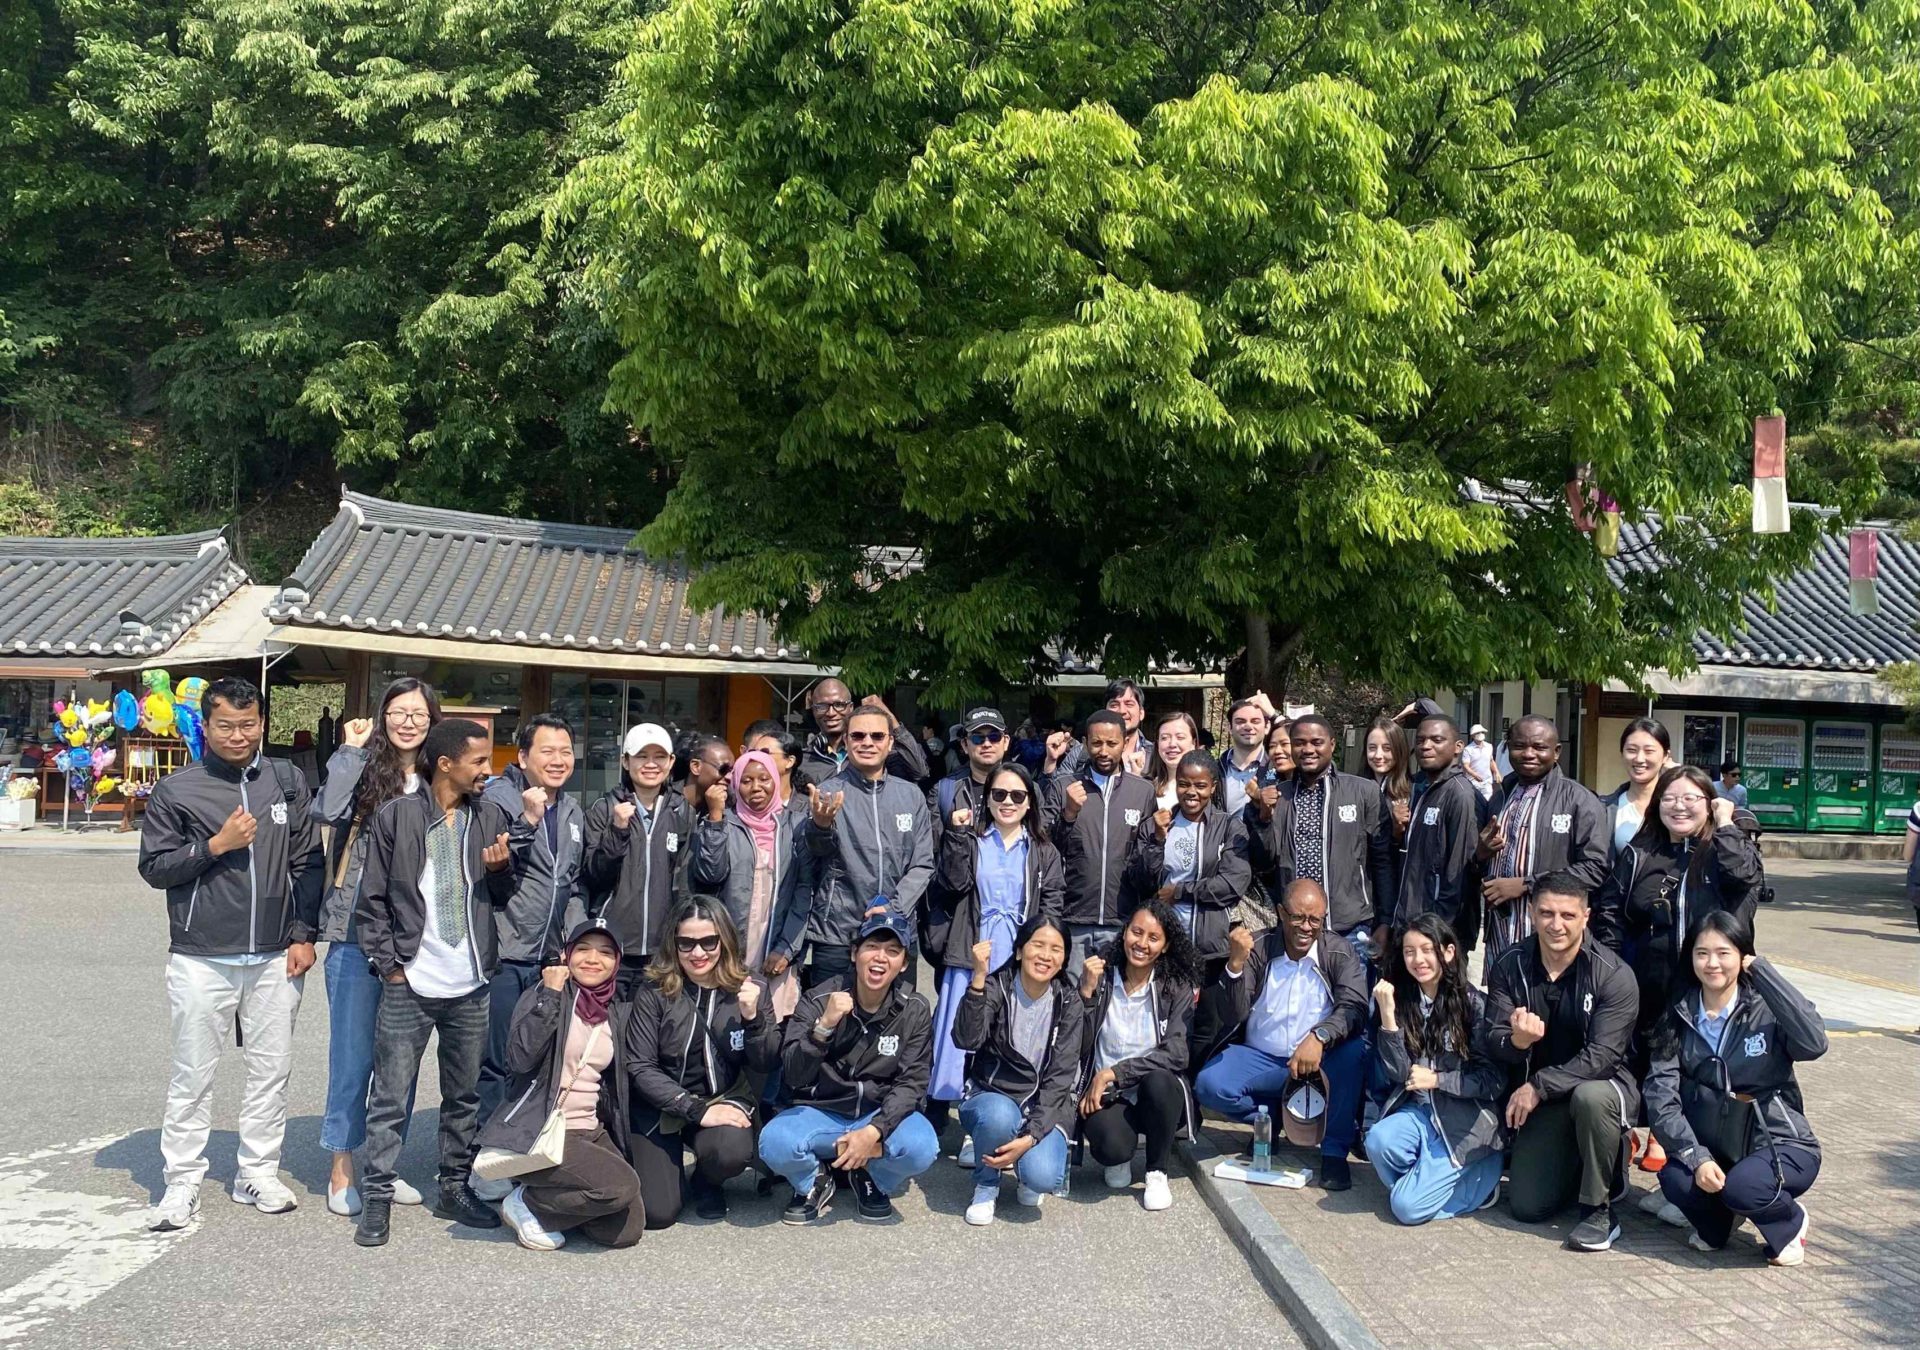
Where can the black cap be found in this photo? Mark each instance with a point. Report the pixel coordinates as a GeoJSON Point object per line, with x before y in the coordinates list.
{"type": "Point", "coordinates": [985, 717]}
{"type": "Point", "coordinates": [586, 926]}
{"type": "Point", "coordinates": [886, 923]}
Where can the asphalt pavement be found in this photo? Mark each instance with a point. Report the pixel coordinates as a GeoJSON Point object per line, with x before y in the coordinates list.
{"type": "Point", "coordinates": [82, 954]}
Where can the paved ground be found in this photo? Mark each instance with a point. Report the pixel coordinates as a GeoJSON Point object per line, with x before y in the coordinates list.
{"type": "Point", "coordinates": [1844, 932]}
{"type": "Point", "coordinates": [81, 994]}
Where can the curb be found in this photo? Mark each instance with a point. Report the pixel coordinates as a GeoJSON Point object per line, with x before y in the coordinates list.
{"type": "Point", "coordinates": [1319, 1311]}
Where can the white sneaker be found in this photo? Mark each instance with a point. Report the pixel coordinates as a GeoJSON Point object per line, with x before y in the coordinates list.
{"type": "Point", "coordinates": [266, 1194]}
{"type": "Point", "coordinates": [1795, 1252]}
{"type": "Point", "coordinates": [345, 1202]}
{"type": "Point", "coordinates": [966, 1156]}
{"type": "Point", "coordinates": [1158, 1194]}
{"type": "Point", "coordinates": [980, 1212]}
{"type": "Point", "coordinates": [1031, 1199]}
{"type": "Point", "coordinates": [1119, 1176]}
{"type": "Point", "coordinates": [176, 1208]}
{"type": "Point", "coordinates": [526, 1228]}
{"type": "Point", "coordinates": [406, 1194]}
{"type": "Point", "coordinates": [1674, 1215]}
{"type": "Point", "coordinates": [493, 1192]}
{"type": "Point", "coordinates": [1652, 1201]}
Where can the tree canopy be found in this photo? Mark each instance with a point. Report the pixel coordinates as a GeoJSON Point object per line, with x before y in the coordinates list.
{"type": "Point", "coordinates": [1155, 330]}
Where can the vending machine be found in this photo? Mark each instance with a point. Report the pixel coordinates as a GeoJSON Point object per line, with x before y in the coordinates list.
{"type": "Point", "coordinates": [1897, 783]}
{"type": "Point", "coordinates": [1842, 777]}
{"type": "Point", "coordinates": [1774, 767]}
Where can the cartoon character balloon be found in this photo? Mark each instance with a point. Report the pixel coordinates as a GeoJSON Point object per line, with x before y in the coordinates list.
{"type": "Point", "coordinates": [188, 723]}
{"type": "Point", "coordinates": [156, 709]}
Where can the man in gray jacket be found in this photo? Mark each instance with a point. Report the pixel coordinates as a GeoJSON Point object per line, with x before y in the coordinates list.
{"type": "Point", "coordinates": [232, 842]}
{"type": "Point", "coordinates": [871, 836]}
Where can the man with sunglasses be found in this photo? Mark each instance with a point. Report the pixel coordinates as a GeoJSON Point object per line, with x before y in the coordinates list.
{"type": "Point", "coordinates": [832, 706]}
{"type": "Point", "coordinates": [871, 835]}
{"type": "Point", "coordinates": [984, 739]}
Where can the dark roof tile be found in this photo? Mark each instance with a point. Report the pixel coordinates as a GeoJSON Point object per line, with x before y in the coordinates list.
{"type": "Point", "coordinates": [127, 597]}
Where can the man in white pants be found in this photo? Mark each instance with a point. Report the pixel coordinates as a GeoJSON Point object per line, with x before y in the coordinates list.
{"type": "Point", "coordinates": [233, 844]}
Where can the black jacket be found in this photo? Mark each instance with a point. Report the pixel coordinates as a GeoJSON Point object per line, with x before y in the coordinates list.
{"type": "Point", "coordinates": [724, 859]}
{"type": "Point", "coordinates": [1569, 828]}
{"type": "Point", "coordinates": [1221, 1017]}
{"type": "Point", "coordinates": [1772, 1026]}
{"type": "Point", "coordinates": [689, 1051]}
{"type": "Point", "coordinates": [390, 914]}
{"type": "Point", "coordinates": [1094, 846]}
{"type": "Point", "coordinates": [1654, 893]}
{"type": "Point", "coordinates": [984, 1025]}
{"type": "Point", "coordinates": [1223, 876]}
{"type": "Point", "coordinates": [1356, 836]}
{"type": "Point", "coordinates": [819, 761]}
{"type": "Point", "coordinates": [536, 1070]}
{"type": "Point", "coordinates": [1465, 1104]}
{"type": "Point", "coordinates": [1438, 872]}
{"type": "Point", "coordinates": [880, 1061]}
{"type": "Point", "coordinates": [1605, 994]}
{"type": "Point", "coordinates": [255, 899]}
{"type": "Point", "coordinates": [635, 876]}
{"type": "Point", "coordinates": [1173, 1005]}
{"type": "Point", "coordinates": [958, 850]}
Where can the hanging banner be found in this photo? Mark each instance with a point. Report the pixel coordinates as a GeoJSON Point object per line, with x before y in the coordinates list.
{"type": "Point", "coordinates": [1770, 474]}
{"type": "Point", "coordinates": [1863, 572]}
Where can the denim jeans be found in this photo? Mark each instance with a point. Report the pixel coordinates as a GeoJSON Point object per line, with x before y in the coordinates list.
{"type": "Point", "coordinates": [1240, 1079]}
{"type": "Point", "coordinates": [401, 1029]}
{"type": "Point", "coordinates": [1407, 1153]}
{"type": "Point", "coordinates": [353, 1001]}
{"type": "Point", "coordinates": [993, 1120]}
{"type": "Point", "coordinates": [509, 982]}
{"type": "Point", "coordinates": [795, 1143]}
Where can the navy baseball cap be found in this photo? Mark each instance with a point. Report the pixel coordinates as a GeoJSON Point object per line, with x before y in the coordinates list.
{"type": "Point", "coordinates": [887, 925]}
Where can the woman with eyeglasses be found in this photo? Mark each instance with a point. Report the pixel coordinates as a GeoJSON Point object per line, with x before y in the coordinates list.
{"type": "Point", "coordinates": [1000, 871]}
{"type": "Point", "coordinates": [1723, 1097]}
{"type": "Point", "coordinates": [700, 1038]}
{"type": "Point", "coordinates": [1175, 736]}
{"type": "Point", "coordinates": [376, 762]}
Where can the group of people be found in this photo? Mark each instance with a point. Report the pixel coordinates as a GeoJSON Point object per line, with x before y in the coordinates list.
{"type": "Point", "coordinates": [716, 961]}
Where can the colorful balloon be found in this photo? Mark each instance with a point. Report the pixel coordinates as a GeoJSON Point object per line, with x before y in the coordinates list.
{"type": "Point", "coordinates": [126, 711]}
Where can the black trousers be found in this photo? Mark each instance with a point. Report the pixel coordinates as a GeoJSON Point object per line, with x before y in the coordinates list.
{"type": "Point", "coordinates": [720, 1152]}
{"type": "Point", "coordinates": [593, 1189]}
{"type": "Point", "coordinates": [1112, 1131]}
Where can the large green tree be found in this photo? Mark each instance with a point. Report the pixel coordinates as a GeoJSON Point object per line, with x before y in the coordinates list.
{"type": "Point", "coordinates": [1163, 330]}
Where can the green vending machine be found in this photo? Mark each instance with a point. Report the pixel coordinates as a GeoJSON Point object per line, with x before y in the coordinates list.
{"type": "Point", "coordinates": [1842, 777]}
{"type": "Point", "coordinates": [1897, 784]}
{"type": "Point", "coordinates": [1774, 767]}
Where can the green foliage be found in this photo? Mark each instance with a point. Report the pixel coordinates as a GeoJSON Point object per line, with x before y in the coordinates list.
{"type": "Point", "coordinates": [1146, 326]}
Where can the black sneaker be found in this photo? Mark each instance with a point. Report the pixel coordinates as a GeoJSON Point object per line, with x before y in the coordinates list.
{"type": "Point", "coordinates": [376, 1218]}
{"type": "Point", "coordinates": [1358, 1149]}
{"type": "Point", "coordinates": [1596, 1232]}
{"type": "Point", "coordinates": [1336, 1174]}
{"type": "Point", "coordinates": [875, 1207]}
{"type": "Point", "coordinates": [764, 1187]}
{"type": "Point", "coordinates": [811, 1207]}
{"type": "Point", "coordinates": [709, 1202]}
{"type": "Point", "coordinates": [458, 1203]}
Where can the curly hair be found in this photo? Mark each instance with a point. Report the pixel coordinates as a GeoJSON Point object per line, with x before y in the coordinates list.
{"type": "Point", "coordinates": [387, 767]}
{"type": "Point", "coordinates": [1450, 1025]}
{"type": "Point", "coordinates": [1179, 960]}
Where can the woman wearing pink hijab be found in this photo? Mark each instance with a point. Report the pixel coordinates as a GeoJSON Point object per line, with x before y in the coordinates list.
{"type": "Point", "coordinates": [748, 852]}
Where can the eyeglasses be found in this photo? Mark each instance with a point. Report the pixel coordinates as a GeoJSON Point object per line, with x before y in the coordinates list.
{"type": "Point", "coordinates": [1311, 923]}
{"type": "Point", "coordinates": [865, 737]}
{"type": "Point", "coordinates": [1683, 799]}
{"type": "Point", "coordinates": [708, 944]}
{"type": "Point", "coordinates": [1018, 796]}
{"type": "Point", "coordinates": [408, 719]}
{"type": "Point", "coordinates": [986, 737]}
{"type": "Point", "coordinates": [841, 706]}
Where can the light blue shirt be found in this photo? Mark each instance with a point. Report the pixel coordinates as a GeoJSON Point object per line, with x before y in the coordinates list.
{"type": "Point", "coordinates": [1713, 1026]}
{"type": "Point", "coordinates": [1181, 862]}
{"type": "Point", "coordinates": [1293, 1002]}
{"type": "Point", "coordinates": [1100, 780]}
{"type": "Point", "coordinates": [1236, 779]}
{"type": "Point", "coordinates": [1000, 880]}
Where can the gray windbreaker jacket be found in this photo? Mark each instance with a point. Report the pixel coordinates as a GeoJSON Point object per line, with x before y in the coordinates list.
{"type": "Point", "coordinates": [546, 878]}
{"type": "Point", "coordinates": [881, 844]}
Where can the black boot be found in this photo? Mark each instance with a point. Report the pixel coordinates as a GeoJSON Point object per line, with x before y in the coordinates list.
{"type": "Point", "coordinates": [459, 1203]}
{"type": "Point", "coordinates": [376, 1221]}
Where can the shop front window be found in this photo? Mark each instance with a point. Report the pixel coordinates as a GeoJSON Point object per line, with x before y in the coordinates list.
{"type": "Point", "coordinates": [461, 684]}
{"type": "Point", "coordinates": [600, 711]}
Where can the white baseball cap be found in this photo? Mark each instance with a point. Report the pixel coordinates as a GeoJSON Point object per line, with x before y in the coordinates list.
{"type": "Point", "coordinates": [1476, 730]}
{"type": "Point", "coordinates": [644, 735]}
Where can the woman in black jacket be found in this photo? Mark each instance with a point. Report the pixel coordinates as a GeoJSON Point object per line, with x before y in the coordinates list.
{"type": "Point", "coordinates": [699, 1041]}
{"type": "Point", "coordinates": [1133, 1054]}
{"type": "Point", "coordinates": [1723, 1097]}
{"type": "Point", "coordinates": [1194, 857]}
{"type": "Point", "coordinates": [1023, 1026]}
{"type": "Point", "coordinates": [564, 1052]}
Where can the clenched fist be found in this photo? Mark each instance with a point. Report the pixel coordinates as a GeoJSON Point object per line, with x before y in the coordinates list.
{"type": "Point", "coordinates": [1090, 977]}
{"type": "Point", "coordinates": [749, 997]}
{"type": "Point", "coordinates": [982, 960]}
{"type": "Point", "coordinates": [1266, 799]}
{"type": "Point", "coordinates": [554, 977]}
{"type": "Point", "coordinates": [1076, 798]}
{"type": "Point", "coordinates": [1162, 821]}
{"type": "Point", "coordinates": [839, 1004]}
{"type": "Point", "coordinates": [961, 818]}
{"type": "Point", "coordinates": [1058, 743]}
{"type": "Point", "coordinates": [357, 732]}
{"type": "Point", "coordinates": [716, 801]}
{"type": "Point", "coordinates": [1239, 948]}
{"type": "Point", "coordinates": [533, 805]}
{"type": "Point", "coordinates": [622, 814]}
{"type": "Point", "coordinates": [236, 833]}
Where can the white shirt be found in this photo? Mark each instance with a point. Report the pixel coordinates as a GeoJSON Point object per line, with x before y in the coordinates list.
{"type": "Point", "coordinates": [1131, 1027]}
{"type": "Point", "coordinates": [1293, 1002]}
{"type": "Point", "coordinates": [441, 969]}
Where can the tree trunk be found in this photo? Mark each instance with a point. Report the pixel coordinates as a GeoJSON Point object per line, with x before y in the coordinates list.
{"type": "Point", "coordinates": [1269, 655]}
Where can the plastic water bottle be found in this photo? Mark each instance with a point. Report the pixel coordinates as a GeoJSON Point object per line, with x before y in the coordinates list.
{"type": "Point", "coordinates": [1263, 1141]}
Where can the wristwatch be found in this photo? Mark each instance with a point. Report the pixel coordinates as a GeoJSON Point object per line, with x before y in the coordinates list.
{"type": "Point", "coordinates": [1320, 1034]}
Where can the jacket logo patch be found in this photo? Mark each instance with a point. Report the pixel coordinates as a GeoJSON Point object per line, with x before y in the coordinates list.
{"type": "Point", "coordinates": [737, 1039]}
{"type": "Point", "coordinates": [904, 822]}
{"type": "Point", "coordinates": [889, 1045]}
{"type": "Point", "coordinates": [573, 831]}
{"type": "Point", "coordinates": [1431, 816]}
{"type": "Point", "coordinates": [1133, 818]}
{"type": "Point", "coordinates": [1756, 1045]}
{"type": "Point", "coordinates": [1561, 824]}
{"type": "Point", "coordinates": [279, 813]}
{"type": "Point", "coordinates": [1587, 1005]}
{"type": "Point", "coordinates": [673, 842]}
{"type": "Point", "coordinates": [1349, 813]}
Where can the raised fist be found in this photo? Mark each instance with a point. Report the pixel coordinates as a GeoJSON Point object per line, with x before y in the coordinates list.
{"type": "Point", "coordinates": [533, 804]}
{"type": "Point", "coordinates": [839, 1004]}
{"type": "Point", "coordinates": [622, 814]}
{"type": "Point", "coordinates": [716, 801]}
{"type": "Point", "coordinates": [982, 957]}
{"type": "Point", "coordinates": [1162, 821]}
{"type": "Point", "coordinates": [749, 997]}
{"type": "Point", "coordinates": [1239, 948]}
{"type": "Point", "coordinates": [961, 817]}
{"type": "Point", "coordinates": [554, 977]}
{"type": "Point", "coordinates": [236, 833]}
{"type": "Point", "coordinates": [1383, 995]}
{"type": "Point", "coordinates": [357, 732]}
{"type": "Point", "coordinates": [1076, 798]}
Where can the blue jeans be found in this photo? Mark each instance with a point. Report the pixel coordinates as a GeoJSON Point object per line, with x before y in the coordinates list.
{"type": "Point", "coordinates": [795, 1143]}
{"type": "Point", "coordinates": [1408, 1154]}
{"type": "Point", "coordinates": [1240, 1079]}
{"type": "Point", "coordinates": [513, 979]}
{"type": "Point", "coordinates": [993, 1120]}
{"type": "Point", "coordinates": [353, 1000]}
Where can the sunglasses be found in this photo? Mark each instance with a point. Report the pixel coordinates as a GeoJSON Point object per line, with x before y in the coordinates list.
{"type": "Point", "coordinates": [864, 737]}
{"type": "Point", "coordinates": [1018, 796]}
{"type": "Point", "coordinates": [708, 944]}
{"type": "Point", "coordinates": [986, 737]}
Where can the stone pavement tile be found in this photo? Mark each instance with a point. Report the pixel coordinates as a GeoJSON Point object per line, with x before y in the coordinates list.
{"type": "Point", "coordinates": [1485, 1280]}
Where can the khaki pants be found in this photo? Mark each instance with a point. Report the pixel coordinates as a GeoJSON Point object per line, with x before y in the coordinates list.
{"type": "Point", "coordinates": [594, 1189]}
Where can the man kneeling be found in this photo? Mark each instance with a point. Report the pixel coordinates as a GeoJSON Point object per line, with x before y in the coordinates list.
{"type": "Point", "coordinates": [856, 1061]}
